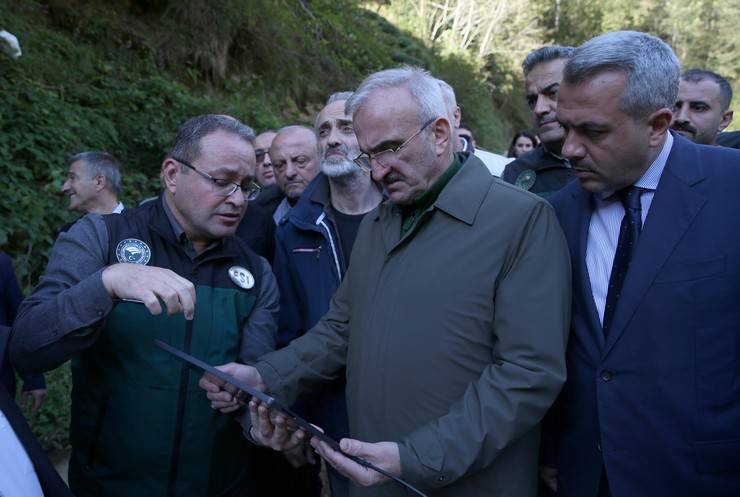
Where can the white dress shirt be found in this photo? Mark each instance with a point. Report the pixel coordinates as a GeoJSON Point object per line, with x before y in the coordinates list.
{"type": "Point", "coordinates": [606, 219]}
{"type": "Point", "coordinates": [17, 474]}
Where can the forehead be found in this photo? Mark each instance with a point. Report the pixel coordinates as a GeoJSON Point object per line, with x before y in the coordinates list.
{"type": "Point", "coordinates": [332, 112]}
{"type": "Point", "coordinates": [78, 167]}
{"type": "Point", "coordinates": [597, 99]}
{"type": "Point", "coordinates": [523, 139]}
{"type": "Point", "coordinates": [264, 140]}
{"type": "Point", "coordinates": [295, 141]}
{"type": "Point", "coordinates": [544, 74]}
{"type": "Point", "coordinates": [705, 90]}
{"type": "Point", "coordinates": [387, 113]}
{"type": "Point", "coordinates": [224, 148]}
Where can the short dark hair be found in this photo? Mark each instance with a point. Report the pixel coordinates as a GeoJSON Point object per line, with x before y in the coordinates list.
{"type": "Point", "coordinates": [725, 90]}
{"type": "Point", "coordinates": [546, 54]}
{"type": "Point", "coordinates": [464, 125]}
{"type": "Point", "coordinates": [100, 164]}
{"type": "Point", "coordinates": [187, 141]}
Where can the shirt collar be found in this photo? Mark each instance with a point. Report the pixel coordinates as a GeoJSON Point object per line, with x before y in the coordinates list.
{"type": "Point", "coordinates": [118, 209]}
{"type": "Point", "coordinates": [650, 178]}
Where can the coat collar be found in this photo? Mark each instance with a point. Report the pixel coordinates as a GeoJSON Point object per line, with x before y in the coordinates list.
{"type": "Point", "coordinates": [460, 199]}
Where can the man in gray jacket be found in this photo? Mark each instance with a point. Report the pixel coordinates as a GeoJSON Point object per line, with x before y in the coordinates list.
{"type": "Point", "coordinates": [451, 320]}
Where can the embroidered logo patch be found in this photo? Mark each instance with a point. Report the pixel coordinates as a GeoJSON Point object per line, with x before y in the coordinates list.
{"type": "Point", "coordinates": [241, 277]}
{"type": "Point", "coordinates": [526, 179]}
{"type": "Point", "coordinates": [133, 251]}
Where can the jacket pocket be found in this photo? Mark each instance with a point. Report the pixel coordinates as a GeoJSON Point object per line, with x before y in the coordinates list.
{"type": "Point", "coordinates": [721, 456]}
{"type": "Point", "coordinates": [691, 270]}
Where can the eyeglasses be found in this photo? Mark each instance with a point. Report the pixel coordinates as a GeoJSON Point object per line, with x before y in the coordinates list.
{"type": "Point", "coordinates": [365, 160]}
{"type": "Point", "coordinates": [260, 153]}
{"type": "Point", "coordinates": [223, 187]}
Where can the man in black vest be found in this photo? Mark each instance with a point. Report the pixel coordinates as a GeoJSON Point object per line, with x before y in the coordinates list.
{"type": "Point", "coordinates": [137, 426]}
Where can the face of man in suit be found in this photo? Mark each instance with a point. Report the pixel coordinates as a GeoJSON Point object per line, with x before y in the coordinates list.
{"type": "Point", "coordinates": [608, 148]}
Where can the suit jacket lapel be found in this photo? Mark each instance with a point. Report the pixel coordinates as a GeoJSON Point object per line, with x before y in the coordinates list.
{"type": "Point", "coordinates": [674, 207]}
{"type": "Point", "coordinates": [592, 338]}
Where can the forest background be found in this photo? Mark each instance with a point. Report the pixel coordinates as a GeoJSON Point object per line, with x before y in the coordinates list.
{"type": "Point", "coordinates": [121, 75]}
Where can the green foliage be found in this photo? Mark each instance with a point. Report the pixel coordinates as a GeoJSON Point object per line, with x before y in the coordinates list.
{"type": "Point", "coordinates": [50, 423]}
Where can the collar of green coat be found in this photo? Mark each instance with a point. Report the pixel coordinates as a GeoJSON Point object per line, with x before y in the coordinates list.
{"type": "Point", "coordinates": [461, 199]}
{"type": "Point", "coordinates": [413, 211]}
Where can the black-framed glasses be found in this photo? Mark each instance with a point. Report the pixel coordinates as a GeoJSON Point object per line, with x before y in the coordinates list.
{"type": "Point", "coordinates": [260, 153]}
{"type": "Point", "coordinates": [365, 160]}
{"type": "Point", "coordinates": [223, 187]}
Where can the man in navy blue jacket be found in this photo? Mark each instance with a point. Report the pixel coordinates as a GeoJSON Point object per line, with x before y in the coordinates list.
{"type": "Point", "coordinates": [313, 248]}
{"type": "Point", "coordinates": [652, 401]}
{"type": "Point", "coordinates": [34, 385]}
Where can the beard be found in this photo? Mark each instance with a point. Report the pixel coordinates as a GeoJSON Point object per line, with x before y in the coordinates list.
{"type": "Point", "coordinates": [338, 166]}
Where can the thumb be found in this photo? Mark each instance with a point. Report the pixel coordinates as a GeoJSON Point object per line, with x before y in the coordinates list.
{"type": "Point", "coordinates": [355, 447]}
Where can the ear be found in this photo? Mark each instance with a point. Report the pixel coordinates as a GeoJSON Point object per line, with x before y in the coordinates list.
{"type": "Point", "coordinates": [725, 121]}
{"type": "Point", "coordinates": [658, 123]}
{"type": "Point", "coordinates": [457, 116]}
{"type": "Point", "coordinates": [442, 132]}
{"type": "Point", "coordinates": [170, 168]}
{"type": "Point", "coordinates": [99, 183]}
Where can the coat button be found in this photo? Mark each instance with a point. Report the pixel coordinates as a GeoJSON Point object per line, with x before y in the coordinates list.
{"type": "Point", "coordinates": [598, 446]}
{"type": "Point", "coordinates": [607, 375]}
{"type": "Point", "coordinates": [441, 478]}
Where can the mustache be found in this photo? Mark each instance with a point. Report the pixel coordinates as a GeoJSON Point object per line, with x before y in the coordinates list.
{"type": "Point", "coordinates": [683, 126]}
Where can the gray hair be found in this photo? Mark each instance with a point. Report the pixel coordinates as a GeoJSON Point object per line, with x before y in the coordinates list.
{"type": "Point", "coordinates": [448, 93]}
{"type": "Point", "coordinates": [650, 65]}
{"type": "Point", "coordinates": [337, 97]}
{"type": "Point", "coordinates": [424, 89]}
{"type": "Point", "coordinates": [545, 54]}
{"type": "Point", "coordinates": [100, 164]}
{"type": "Point", "coordinates": [187, 142]}
{"type": "Point", "coordinates": [725, 90]}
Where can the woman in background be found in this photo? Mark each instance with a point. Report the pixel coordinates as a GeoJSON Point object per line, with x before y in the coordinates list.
{"type": "Point", "coordinates": [523, 142]}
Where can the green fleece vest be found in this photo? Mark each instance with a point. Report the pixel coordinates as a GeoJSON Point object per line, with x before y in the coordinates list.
{"type": "Point", "coordinates": [140, 424]}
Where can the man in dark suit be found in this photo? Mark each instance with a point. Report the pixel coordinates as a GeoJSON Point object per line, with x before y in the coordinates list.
{"type": "Point", "coordinates": [652, 401]}
{"type": "Point", "coordinates": [19, 450]}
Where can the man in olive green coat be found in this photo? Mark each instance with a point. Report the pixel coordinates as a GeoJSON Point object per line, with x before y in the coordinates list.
{"type": "Point", "coordinates": [451, 320]}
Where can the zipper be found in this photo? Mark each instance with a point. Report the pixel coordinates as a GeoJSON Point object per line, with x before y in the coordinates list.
{"type": "Point", "coordinates": [320, 221]}
{"type": "Point", "coordinates": [182, 398]}
{"type": "Point", "coordinates": [316, 250]}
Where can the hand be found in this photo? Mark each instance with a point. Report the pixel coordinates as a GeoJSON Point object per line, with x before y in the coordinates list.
{"type": "Point", "coordinates": [149, 284]}
{"type": "Point", "coordinates": [34, 398]}
{"type": "Point", "coordinates": [225, 397]}
{"type": "Point", "coordinates": [300, 456]}
{"type": "Point", "coordinates": [384, 455]}
{"type": "Point", "coordinates": [272, 429]}
{"type": "Point", "coordinates": [549, 475]}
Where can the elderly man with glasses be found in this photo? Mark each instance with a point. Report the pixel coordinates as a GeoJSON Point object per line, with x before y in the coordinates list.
{"type": "Point", "coordinates": [451, 320]}
{"type": "Point", "coordinates": [138, 427]}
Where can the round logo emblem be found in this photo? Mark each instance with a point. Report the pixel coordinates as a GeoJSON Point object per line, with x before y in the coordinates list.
{"type": "Point", "coordinates": [241, 277]}
{"type": "Point", "coordinates": [526, 179]}
{"type": "Point", "coordinates": [133, 251]}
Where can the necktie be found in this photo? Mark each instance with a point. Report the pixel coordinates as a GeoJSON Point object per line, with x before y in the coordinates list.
{"type": "Point", "coordinates": [629, 232]}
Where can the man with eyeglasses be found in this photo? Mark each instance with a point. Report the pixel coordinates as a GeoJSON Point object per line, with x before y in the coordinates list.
{"type": "Point", "coordinates": [137, 426]}
{"type": "Point", "coordinates": [265, 175]}
{"type": "Point", "coordinates": [452, 354]}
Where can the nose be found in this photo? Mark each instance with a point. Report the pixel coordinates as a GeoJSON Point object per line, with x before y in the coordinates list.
{"type": "Point", "coordinates": [543, 105]}
{"type": "Point", "coordinates": [237, 198]}
{"type": "Point", "coordinates": [65, 187]}
{"type": "Point", "coordinates": [290, 170]}
{"type": "Point", "coordinates": [378, 171]}
{"type": "Point", "coordinates": [572, 148]}
{"type": "Point", "coordinates": [266, 161]}
{"type": "Point", "coordinates": [680, 113]}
